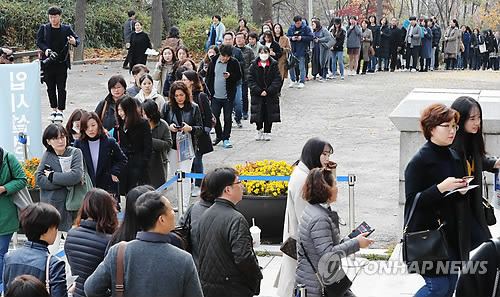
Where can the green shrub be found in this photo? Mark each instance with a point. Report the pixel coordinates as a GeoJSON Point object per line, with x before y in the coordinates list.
{"type": "Point", "coordinates": [21, 19]}
{"type": "Point", "coordinates": [193, 32]}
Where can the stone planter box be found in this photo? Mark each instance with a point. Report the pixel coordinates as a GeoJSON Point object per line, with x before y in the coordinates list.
{"type": "Point", "coordinates": [269, 215]}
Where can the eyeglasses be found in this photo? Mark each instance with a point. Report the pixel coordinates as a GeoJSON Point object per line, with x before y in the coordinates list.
{"type": "Point", "coordinates": [62, 137]}
{"type": "Point", "coordinates": [236, 183]}
{"type": "Point", "coordinates": [447, 126]}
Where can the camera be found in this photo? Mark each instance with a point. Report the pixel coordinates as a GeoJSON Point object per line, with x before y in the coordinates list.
{"type": "Point", "coordinates": [50, 59]}
{"type": "Point", "coordinates": [9, 58]}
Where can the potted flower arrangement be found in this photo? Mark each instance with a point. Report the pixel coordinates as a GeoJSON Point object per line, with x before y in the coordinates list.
{"type": "Point", "coordinates": [265, 201]}
{"type": "Point", "coordinates": [30, 167]}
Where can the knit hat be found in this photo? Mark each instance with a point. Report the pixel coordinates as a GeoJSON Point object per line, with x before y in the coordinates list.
{"type": "Point", "coordinates": [337, 21]}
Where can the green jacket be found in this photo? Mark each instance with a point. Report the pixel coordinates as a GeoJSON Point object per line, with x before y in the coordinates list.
{"type": "Point", "coordinates": [13, 182]}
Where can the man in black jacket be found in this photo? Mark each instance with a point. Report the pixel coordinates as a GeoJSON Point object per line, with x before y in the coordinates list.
{"type": "Point", "coordinates": [223, 74]}
{"type": "Point", "coordinates": [228, 264]}
{"type": "Point", "coordinates": [237, 53]}
{"type": "Point", "coordinates": [56, 38]}
{"type": "Point", "coordinates": [395, 42]}
{"type": "Point", "coordinates": [436, 38]}
{"type": "Point", "coordinates": [128, 29]}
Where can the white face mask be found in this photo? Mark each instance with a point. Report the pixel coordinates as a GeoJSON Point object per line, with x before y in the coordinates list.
{"type": "Point", "coordinates": [264, 57]}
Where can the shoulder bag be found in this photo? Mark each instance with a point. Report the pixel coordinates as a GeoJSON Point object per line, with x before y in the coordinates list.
{"type": "Point", "coordinates": [120, 286]}
{"type": "Point", "coordinates": [78, 191]}
{"type": "Point", "coordinates": [428, 245]}
{"type": "Point", "coordinates": [291, 62]}
{"type": "Point", "coordinates": [21, 198]}
{"type": "Point", "coordinates": [289, 247]}
{"type": "Point", "coordinates": [184, 231]}
{"type": "Point", "coordinates": [336, 289]}
{"type": "Point", "coordinates": [204, 141]}
{"type": "Point", "coordinates": [489, 212]}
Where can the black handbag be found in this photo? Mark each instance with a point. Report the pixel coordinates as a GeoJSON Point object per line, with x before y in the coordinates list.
{"type": "Point", "coordinates": [427, 245]}
{"type": "Point", "coordinates": [336, 289]}
{"type": "Point", "coordinates": [184, 231]}
{"type": "Point", "coordinates": [291, 62]}
{"type": "Point", "coordinates": [489, 212]}
{"type": "Point", "coordinates": [205, 143]}
{"type": "Point", "coordinates": [289, 247]}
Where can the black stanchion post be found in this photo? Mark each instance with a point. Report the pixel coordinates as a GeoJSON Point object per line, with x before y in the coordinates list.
{"type": "Point", "coordinates": [351, 182]}
{"type": "Point", "coordinates": [180, 197]}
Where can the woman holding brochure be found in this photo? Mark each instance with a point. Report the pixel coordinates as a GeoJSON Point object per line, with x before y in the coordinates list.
{"type": "Point", "coordinates": [469, 143]}
{"type": "Point", "coordinates": [435, 171]}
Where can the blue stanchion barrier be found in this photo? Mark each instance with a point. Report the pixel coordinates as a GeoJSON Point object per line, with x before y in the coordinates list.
{"type": "Point", "coordinates": [260, 177]}
{"type": "Point", "coordinates": [168, 183]}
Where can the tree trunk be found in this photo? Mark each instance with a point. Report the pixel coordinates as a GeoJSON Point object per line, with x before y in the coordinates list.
{"type": "Point", "coordinates": [156, 20]}
{"type": "Point", "coordinates": [240, 8]}
{"type": "Point", "coordinates": [164, 12]}
{"type": "Point", "coordinates": [256, 15]}
{"type": "Point", "coordinates": [380, 10]}
{"type": "Point", "coordinates": [80, 8]}
{"type": "Point", "coordinates": [267, 10]}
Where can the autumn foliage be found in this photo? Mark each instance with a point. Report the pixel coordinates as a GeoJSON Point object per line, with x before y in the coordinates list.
{"type": "Point", "coordinates": [363, 8]}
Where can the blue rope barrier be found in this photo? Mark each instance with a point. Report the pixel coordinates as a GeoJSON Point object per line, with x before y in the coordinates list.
{"type": "Point", "coordinates": [168, 183]}
{"type": "Point", "coordinates": [260, 177]}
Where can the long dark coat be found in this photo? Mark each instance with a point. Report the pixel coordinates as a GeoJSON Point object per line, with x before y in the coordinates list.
{"type": "Point", "coordinates": [264, 79]}
{"type": "Point", "coordinates": [385, 41]}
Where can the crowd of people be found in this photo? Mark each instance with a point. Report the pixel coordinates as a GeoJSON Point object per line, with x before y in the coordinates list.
{"type": "Point", "coordinates": [139, 134]}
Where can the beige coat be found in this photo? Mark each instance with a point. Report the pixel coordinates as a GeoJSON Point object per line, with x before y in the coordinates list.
{"type": "Point", "coordinates": [286, 47]}
{"type": "Point", "coordinates": [295, 205]}
{"type": "Point", "coordinates": [451, 46]}
{"type": "Point", "coordinates": [366, 43]}
{"type": "Point", "coordinates": [174, 43]}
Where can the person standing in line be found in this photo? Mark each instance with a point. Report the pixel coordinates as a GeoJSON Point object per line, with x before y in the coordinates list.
{"type": "Point", "coordinates": [133, 133]}
{"type": "Point", "coordinates": [148, 91]}
{"type": "Point", "coordinates": [216, 33]}
{"type": "Point", "coordinates": [451, 40]}
{"type": "Point", "coordinates": [469, 143]}
{"type": "Point", "coordinates": [413, 41]}
{"type": "Point", "coordinates": [249, 57]}
{"type": "Point", "coordinates": [174, 40]}
{"type": "Point", "coordinates": [353, 44]}
{"type": "Point", "coordinates": [54, 40]}
{"type": "Point", "coordinates": [222, 76]}
{"type": "Point", "coordinates": [152, 266]}
{"type": "Point", "coordinates": [366, 40]}
{"type": "Point", "coordinates": [164, 67]}
{"type": "Point", "coordinates": [435, 170]}
{"type": "Point", "coordinates": [337, 51]}
{"type": "Point", "coordinates": [264, 80]}
{"type": "Point", "coordinates": [238, 55]}
{"type": "Point", "coordinates": [315, 154]}
{"type": "Point", "coordinates": [40, 222]}
{"type": "Point", "coordinates": [128, 29]}
{"type": "Point", "coordinates": [86, 245]}
{"type": "Point", "coordinates": [496, 40]}
{"type": "Point", "coordinates": [383, 51]}
{"type": "Point", "coordinates": [103, 156]}
{"type": "Point", "coordinates": [228, 264]}
{"type": "Point", "coordinates": [474, 48]}
{"type": "Point", "coordinates": [436, 40]}
{"type": "Point", "coordinates": [395, 43]}
{"type": "Point", "coordinates": [137, 71]}
{"type": "Point", "coordinates": [321, 51]}
{"type": "Point", "coordinates": [12, 180]}
{"type": "Point", "coordinates": [372, 65]}
{"type": "Point", "coordinates": [300, 36]}
{"type": "Point", "coordinates": [254, 43]}
{"type": "Point", "coordinates": [106, 107]}
{"type": "Point", "coordinates": [466, 39]}
{"type": "Point", "coordinates": [139, 43]}
{"type": "Point", "coordinates": [286, 48]}
{"type": "Point", "coordinates": [426, 49]}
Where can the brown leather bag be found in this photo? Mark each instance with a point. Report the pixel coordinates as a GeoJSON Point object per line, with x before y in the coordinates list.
{"type": "Point", "coordinates": [119, 286]}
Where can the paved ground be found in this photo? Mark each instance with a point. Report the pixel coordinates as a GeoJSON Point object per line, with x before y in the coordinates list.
{"type": "Point", "coordinates": [351, 114]}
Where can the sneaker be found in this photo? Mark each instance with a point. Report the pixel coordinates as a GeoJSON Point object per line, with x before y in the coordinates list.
{"type": "Point", "coordinates": [333, 77]}
{"type": "Point", "coordinates": [59, 117]}
{"type": "Point", "coordinates": [322, 80]}
{"type": "Point", "coordinates": [414, 70]}
{"type": "Point", "coordinates": [52, 116]}
{"type": "Point", "coordinates": [227, 144]}
{"type": "Point", "coordinates": [342, 77]}
{"type": "Point", "coordinates": [259, 135]}
{"type": "Point", "coordinates": [300, 86]}
{"type": "Point", "coordinates": [292, 84]}
{"type": "Point", "coordinates": [307, 78]}
{"type": "Point", "coordinates": [406, 70]}
{"type": "Point", "coordinates": [196, 191]}
{"type": "Point", "coordinates": [239, 124]}
{"type": "Point", "coordinates": [267, 136]}
{"type": "Point", "coordinates": [330, 76]}
{"type": "Point", "coordinates": [245, 116]}
{"type": "Point", "coordinates": [216, 141]}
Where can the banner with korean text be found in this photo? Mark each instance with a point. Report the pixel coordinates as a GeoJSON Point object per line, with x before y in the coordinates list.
{"type": "Point", "coordinates": [20, 111]}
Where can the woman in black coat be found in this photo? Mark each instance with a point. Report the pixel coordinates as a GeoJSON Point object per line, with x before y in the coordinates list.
{"type": "Point", "coordinates": [139, 42]}
{"type": "Point", "coordinates": [264, 80]}
{"type": "Point", "coordinates": [469, 143]}
{"type": "Point", "coordinates": [85, 245]}
{"type": "Point", "coordinates": [134, 137]}
{"type": "Point", "coordinates": [435, 170]}
{"type": "Point", "coordinates": [103, 156]}
{"type": "Point", "coordinates": [275, 50]}
{"type": "Point", "coordinates": [385, 41]}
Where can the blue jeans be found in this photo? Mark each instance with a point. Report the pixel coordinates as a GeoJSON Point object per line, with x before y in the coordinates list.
{"type": "Point", "coordinates": [459, 62]}
{"type": "Point", "coordinates": [337, 56]}
{"type": "Point", "coordinates": [4, 248]}
{"type": "Point", "coordinates": [302, 67]}
{"type": "Point", "coordinates": [373, 63]}
{"type": "Point", "coordinates": [386, 63]}
{"type": "Point", "coordinates": [237, 103]}
{"type": "Point", "coordinates": [217, 106]}
{"type": "Point", "coordinates": [442, 286]}
{"type": "Point", "coordinates": [197, 167]}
